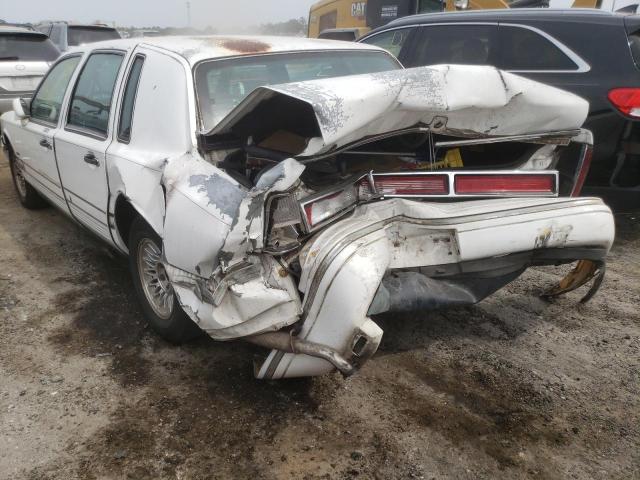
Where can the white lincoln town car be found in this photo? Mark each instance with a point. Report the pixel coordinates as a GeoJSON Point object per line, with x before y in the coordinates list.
{"type": "Point", "coordinates": [284, 191]}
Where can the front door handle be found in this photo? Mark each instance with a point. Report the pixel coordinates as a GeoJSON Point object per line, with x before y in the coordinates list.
{"type": "Point", "coordinates": [45, 143]}
{"type": "Point", "coordinates": [90, 158]}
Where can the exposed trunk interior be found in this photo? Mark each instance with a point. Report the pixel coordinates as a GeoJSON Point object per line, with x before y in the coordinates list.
{"type": "Point", "coordinates": [403, 152]}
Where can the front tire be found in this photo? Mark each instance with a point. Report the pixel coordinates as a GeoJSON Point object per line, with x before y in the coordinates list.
{"type": "Point", "coordinates": [28, 196]}
{"type": "Point", "coordinates": [155, 293]}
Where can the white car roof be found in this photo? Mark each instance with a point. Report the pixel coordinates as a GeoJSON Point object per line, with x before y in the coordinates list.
{"type": "Point", "coordinates": [197, 48]}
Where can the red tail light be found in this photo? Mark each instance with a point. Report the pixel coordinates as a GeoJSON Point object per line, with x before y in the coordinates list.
{"type": "Point", "coordinates": [322, 208]}
{"type": "Point", "coordinates": [408, 185]}
{"type": "Point", "coordinates": [514, 184]}
{"type": "Point", "coordinates": [627, 100]}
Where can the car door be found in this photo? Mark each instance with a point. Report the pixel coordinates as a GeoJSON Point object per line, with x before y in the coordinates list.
{"type": "Point", "coordinates": [81, 146]}
{"type": "Point", "coordinates": [33, 143]}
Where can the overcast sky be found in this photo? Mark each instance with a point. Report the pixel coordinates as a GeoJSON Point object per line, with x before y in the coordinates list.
{"type": "Point", "coordinates": [164, 13]}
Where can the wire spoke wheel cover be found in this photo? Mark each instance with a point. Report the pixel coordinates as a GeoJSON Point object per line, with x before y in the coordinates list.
{"type": "Point", "coordinates": [153, 278]}
{"type": "Point", "coordinates": [21, 183]}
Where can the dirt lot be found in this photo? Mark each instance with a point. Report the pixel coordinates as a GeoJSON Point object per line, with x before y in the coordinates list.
{"type": "Point", "coordinates": [511, 388]}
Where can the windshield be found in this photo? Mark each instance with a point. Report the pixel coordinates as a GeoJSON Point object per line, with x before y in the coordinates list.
{"type": "Point", "coordinates": [81, 35]}
{"type": "Point", "coordinates": [15, 47]}
{"type": "Point", "coordinates": [223, 84]}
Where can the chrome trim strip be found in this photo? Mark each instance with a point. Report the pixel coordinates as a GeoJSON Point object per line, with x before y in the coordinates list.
{"type": "Point", "coordinates": [567, 135]}
{"type": "Point", "coordinates": [581, 65]}
{"type": "Point", "coordinates": [37, 172]}
{"type": "Point", "coordinates": [78, 207]}
{"type": "Point", "coordinates": [273, 365]}
{"type": "Point", "coordinates": [46, 187]}
{"type": "Point", "coordinates": [85, 201]}
{"type": "Point", "coordinates": [585, 151]}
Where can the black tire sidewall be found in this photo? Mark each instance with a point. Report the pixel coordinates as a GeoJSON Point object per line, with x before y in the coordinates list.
{"type": "Point", "coordinates": [32, 199]}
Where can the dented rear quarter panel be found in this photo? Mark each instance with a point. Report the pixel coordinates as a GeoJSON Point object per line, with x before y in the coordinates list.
{"type": "Point", "coordinates": [136, 169]}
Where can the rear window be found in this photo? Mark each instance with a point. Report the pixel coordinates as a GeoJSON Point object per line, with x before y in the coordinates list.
{"type": "Point", "coordinates": [81, 35]}
{"type": "Point", "coordinates": [523, 49]}
{"type": "Point", "coordinates": [223, 84]}
{"type": "Point", "coordinates": [634, 43]}
{"type": "Point", "coordinates": [345, 36]}
{"type": "Point", "coordinates": [27, 47]}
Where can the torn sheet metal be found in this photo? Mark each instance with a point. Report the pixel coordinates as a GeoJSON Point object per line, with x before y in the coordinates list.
{"type": "Point", "coordinates": [212, 226]}
{"type": "Point", "coordinates": [202, 204]}
{"type": "Point", "coordinates": [247, 229]}
{"type": "Point", "coordinates": [262, 301]}
{"type": "Point", "coordinates": [459, 99]}
{"type": "Point", "coordinates": [344, 265]}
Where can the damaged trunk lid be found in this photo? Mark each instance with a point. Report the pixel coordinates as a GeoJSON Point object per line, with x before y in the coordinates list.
{"type": "Point", "coordinates": [312, 119]}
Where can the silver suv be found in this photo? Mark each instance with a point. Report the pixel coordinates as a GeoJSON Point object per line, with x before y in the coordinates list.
{"type": "Point", "coordinates": [65, 35]}
{"type": "Point", "coordinates": [25, 57]}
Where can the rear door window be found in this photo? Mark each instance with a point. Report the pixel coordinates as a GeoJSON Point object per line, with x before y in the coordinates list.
{"type": "Point", "coordinates": [91, 100]}
{"type": "Point", "coordinates": [393, 41]}
{"type": "Point", "coordinates": [129, 100]}
{"type": "Point", "coordinates": [80, 35]}
{"type": "Point", "coordinates": [456, 44]}
{"type": "Point", "coordinates": [634, 44]}
{"type": "Point", "coordinates": [25, 47]}
{"type": "Point", "coordinates": [47, 102]}
{"type": "Point", "coordinates": [526, 50]}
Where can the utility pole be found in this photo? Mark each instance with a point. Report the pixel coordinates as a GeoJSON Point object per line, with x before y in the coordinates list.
{"type": "Point", "coordinates": [189, 14]}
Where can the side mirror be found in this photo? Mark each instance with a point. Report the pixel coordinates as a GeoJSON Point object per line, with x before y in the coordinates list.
{"type": "Point", "coordinates": [22, 107]}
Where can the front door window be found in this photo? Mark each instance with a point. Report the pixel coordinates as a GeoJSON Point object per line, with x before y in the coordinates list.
{"type": "Point", "coordinates": [91, 101]}
{"type": "Point", "coordinates": [47, 102]}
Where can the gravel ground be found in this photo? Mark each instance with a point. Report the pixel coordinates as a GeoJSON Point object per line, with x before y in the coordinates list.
{"type": "Point", "coordinates": [511, 388]}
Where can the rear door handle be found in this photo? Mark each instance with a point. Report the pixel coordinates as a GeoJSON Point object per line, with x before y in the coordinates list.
{"type": "Point", "coordinates": [45, 143]}
{"type": "Point", "coordinates": [91, 159]}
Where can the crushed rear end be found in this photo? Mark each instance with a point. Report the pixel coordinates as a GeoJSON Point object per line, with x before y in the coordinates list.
{"type": "Point", "coordinates": [410, 190]}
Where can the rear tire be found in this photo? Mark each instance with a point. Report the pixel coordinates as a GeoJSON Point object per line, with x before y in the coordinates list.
{"type": "Point", "coordinates": [156, 296]}
{"type": "Point", "coordinates": [28, 196]}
